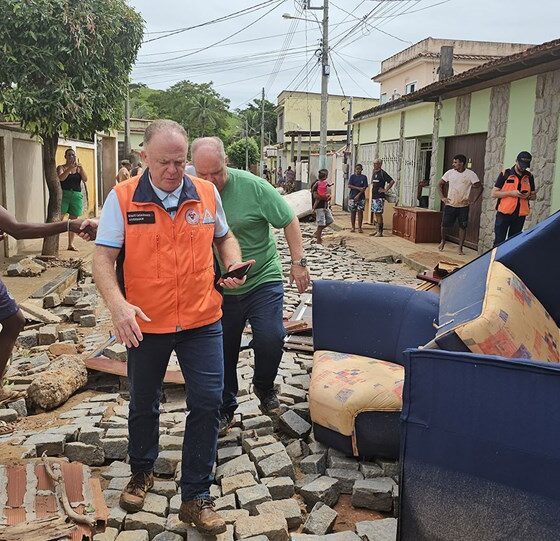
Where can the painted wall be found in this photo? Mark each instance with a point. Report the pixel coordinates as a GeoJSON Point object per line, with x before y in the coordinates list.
{"type": "Point", "coordinates": [480, 111]}
{"type": "Point", "coordinates": [419, 120]}
{"type": "Point", "coordinates": [447, 122]}
{"type": "Point", "coordinates": [521, 112]}
{"type": "Point", "coordinates": [391, 126]}
{"type": "Point", "coordinates": [368, 131]}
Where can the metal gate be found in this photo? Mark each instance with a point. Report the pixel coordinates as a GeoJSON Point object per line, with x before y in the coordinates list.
{"type": "Point", "coordinates": [409, 171]}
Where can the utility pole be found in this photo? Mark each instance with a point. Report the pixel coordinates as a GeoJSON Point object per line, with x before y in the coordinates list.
{"type": "Point", "coordinates": [262, 134]}
{"type": "Point", "coordinates": [309, 160]}
{"type": "Point", "coordinates": [246, 144]}
{"type": "Point", "coordinates": [127, 123]}
{"type": "Point", "coordinates": [347, 155]}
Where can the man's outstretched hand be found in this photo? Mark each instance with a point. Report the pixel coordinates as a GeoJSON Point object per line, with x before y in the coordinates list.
{"type": "Point", "coordinates": [232, 283]}
{"type": "Point", "coordinates": [86, 229]}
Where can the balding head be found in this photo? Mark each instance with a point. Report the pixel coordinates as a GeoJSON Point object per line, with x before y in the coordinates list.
{"type": "Point", "coordinates": [210, 160]}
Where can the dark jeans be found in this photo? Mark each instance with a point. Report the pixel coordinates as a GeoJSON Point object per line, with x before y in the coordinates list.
{"type": "Point", "coordinates": [263, 307]}
{"type": "Point", "coordinates": [200, 356]}
{"type": "Point", "coordinates": [506, 226]}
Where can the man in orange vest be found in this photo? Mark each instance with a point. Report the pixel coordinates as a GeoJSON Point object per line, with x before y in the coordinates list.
{"type": "Point", "coordinates": [513, 189]}
{"type": "Point", "coordinates": [159, 229]}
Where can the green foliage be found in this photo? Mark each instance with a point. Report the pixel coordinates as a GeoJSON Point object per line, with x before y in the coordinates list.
{"type": "Point", "coordinates": [252, 113]}
{"type": "Point", "coordinates": [64, 64]}
{"type": "Point", "coordinates": [236, 152]}
{"type": "Point", "coordinates": [140, 102]}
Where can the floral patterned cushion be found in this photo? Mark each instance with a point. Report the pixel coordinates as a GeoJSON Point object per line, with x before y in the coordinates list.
{"type": "Point", "coordinates": [344, 385]}
{"type": "Point", "coordinates": [513, 323]}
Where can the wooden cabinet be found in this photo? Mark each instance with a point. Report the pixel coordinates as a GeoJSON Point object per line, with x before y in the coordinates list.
{"type": "Point", "coordinates": [417, 224]}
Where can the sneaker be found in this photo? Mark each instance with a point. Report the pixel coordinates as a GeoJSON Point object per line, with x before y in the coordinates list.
{"type": "Point", "coordinates": [201, 513]}
{"type": "Point", "coordinates": [226, 420]}
{"type": "Point", "coordinates": [134, 494]}
{"type": "Point", "coordinates": [269, 402]}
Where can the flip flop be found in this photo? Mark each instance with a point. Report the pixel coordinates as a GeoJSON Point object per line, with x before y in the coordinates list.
{"type": "Point", "coordinates": [6, 428]}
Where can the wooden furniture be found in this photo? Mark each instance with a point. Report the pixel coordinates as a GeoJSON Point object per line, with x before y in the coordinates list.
{"type": "Point", "coordinates": [417, 224]}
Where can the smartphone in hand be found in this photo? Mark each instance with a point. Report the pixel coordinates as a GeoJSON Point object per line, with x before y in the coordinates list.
{"type": "Point", "coordinates": [240, 272]}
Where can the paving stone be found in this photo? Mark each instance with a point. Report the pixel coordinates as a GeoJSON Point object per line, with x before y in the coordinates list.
{"type": "Point", "coordinates": [27, 339]}
{"type": "Point", "coordinates": [87, 320]}
{"type": "Point", "coordinates": [277, 465]}
{"type": "Point", "coordinates": [116, 352]}
{"type": "Point", "coordinates": [136, 535]}
{"type": "Point", "coordinates": [314, 464]}
{"type": "Point", "coordinates": [316, 448]}
{"type": "Point", "coordinates": [168, 536]}
{"type": "Point", "coordinates": [271, 525]}
{"type": "Point", "coordinates": [290, 508]}
{"type": "Point", "coordinates": [339, 536]}
{"type": "Point", "coordinates": [91, 435]}
{"type": "Point", "coordinates": [117, 433]}
{"type": "Point", "coordinates": [118, 483]}
{"type": "Point", "coordinates": [70, 432]}
{"type": "Point", "coordinates": [257, 422]}
{"type": "Point", "coordinates": [112, 497]}
{"type": "Point", "coordinates": [91, 455]}
{"type": "Point", "coordinates": [249, 407]}
{"type": "Point", "coordinates": [228, 453]}
{"type": "Point", "coordinates": [49, 443]}
{"type": "Point", "coordinates": [241, 464]}
{"type": "Point", "coordinates": [72, 414]}
{"type": "Point", "coordinates": [297, 449]}
{"type": "Point", "coordinates": [298, 395]}
{"type": "Point", "coordinates": [175, 504]}
{"type": "Point", "coordinates": [194, 535]}
{"type": "Point", "coordinates": [63, 348]}
{"type": "Point", "coordinates": [19, 406]}
{"type": "Point", "coordinates": [145, 521]}
{"type": "Point", "coordinates": [250, 497]}
{"type": "Point", "coordinates": [305, 480]}
{"type": "Point", "coordinates": [375, 494]}
{"type": "Point", "coordinates": [324, 489]}
{"type": "Point", "coordinates": [8, 415]}
{"type": "Point", "coordinates": [107, 397]}
{"type": "Point", "coordinates": [166, 462]}
{"type": "Point", "coordinates": [48, 334]}
{"type": "Point", "coordinates": [346, 478]}
{"type": "Point", "coordinates": [259, 453]}
{"type": "Point", "coordinates": [235, 482]}
{"type": "Point", "coordinates": [339, 461]}
{"type": "Point", "coordinates": [68, 335]}
{"type": "Point", "coordinates": [371, 470]}
{"type": "Point", "coordinates": [293, 425]}
{"type": "Point", "coordinates": [117, 469]}
{"type": "Point", "coordinates": [116, 518]}
{"type": "Point", "coordinates": [215, 491]}
{"type": "Point", "coordinates": [164, 488]}
{"type": "Point", "coordinates": [170, 443]}
{"type": "Point", "coordinates": [115, 448]}
{"type": "Point", "coordinates": [321, 520]}
{"type": "Point", "coordinates": [110, 534]}
{"type": "Point", "coordinates": [302, 409]}
{"type": "Point", "coordinates": [389, 467]}
{"type": "Point", "coordinates": [156, 504]}
{"type": "Point", "coordinates": [225, 502]}
{"type": "Point", "coordinates": [72, 297]}
{"type": "Point", "coordinates": [280, 488]}
{"type": "Point", "coordinates": [377, 530]}
{"type": "Point", "coordinates": [231, 516]}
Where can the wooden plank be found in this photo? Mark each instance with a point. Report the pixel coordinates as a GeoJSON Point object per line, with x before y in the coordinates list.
{"type": "Point", "coordinates": [118, 368]}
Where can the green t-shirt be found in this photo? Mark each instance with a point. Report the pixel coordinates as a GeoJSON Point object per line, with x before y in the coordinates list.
{"type": "Point", "coordinates": [252, 205]}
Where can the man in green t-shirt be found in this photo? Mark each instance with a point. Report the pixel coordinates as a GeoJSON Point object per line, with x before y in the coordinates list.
{"type": "Point", "coordinates": [252, 206]}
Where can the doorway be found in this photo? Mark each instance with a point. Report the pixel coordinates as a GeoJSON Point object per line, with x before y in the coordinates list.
{"type": "Point", "coordinates": [474, 148]}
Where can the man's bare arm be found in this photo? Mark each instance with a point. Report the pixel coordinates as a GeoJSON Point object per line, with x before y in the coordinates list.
{"type": "Point", "coordinates": [230, 255]}
{"type": "Point", "coordinates": [21, 230]}
{"type": "Point", "coordinates": [123, 313]}
{"type": "Point", "coordinates": [298, 274]}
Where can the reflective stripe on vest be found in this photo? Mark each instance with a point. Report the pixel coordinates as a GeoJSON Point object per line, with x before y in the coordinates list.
{"type": "Point", "coordinates": [507, 205]}
{"type": "Point", "coordinates": [168, 263]}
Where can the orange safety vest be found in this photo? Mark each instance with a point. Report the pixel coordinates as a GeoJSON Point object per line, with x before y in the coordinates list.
{"type": "Point", "coordinates": [507, 205]}
{"type": "Point", "coordinates": [166, 266]}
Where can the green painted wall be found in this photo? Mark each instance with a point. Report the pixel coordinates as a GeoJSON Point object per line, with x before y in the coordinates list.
{"type": "Point", "coordinates": [555, 200]}
{"type": "Point", "coordinates": [519, 133]}
{"type": "Point", "coordinates": [368, 131]}
{"type": "Point", "coordinates": [480, 111]}
{"type": "Point", "coordinates": [419, 120]}
{"type": "Point", "coordinates": [439, 172]}
{"type": "Point", "coordinates": [391, 127]}
{"type": "Point", "coordinates": [447, 121]}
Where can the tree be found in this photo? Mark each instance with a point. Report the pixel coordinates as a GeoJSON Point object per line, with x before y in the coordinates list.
{"type": "Point", "coordinates": [252, 113]}
{"type": "Point", "coordinates": [140, 104]}
{"type": "Point", "coordinates": [64, 70]}
{"type": "Point", "coordinates": [237, 152]}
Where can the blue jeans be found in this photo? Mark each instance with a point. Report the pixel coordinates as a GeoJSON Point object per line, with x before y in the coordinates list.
{"type": "Point", "coordinates": [200, 356]}
{"type": "Point", "coordinates": [506, 226]}
{"type": "Point", "coordinates": [263, 308]}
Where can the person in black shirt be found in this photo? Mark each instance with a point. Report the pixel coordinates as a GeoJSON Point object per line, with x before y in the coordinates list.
{"type": "Point", "coordinates": [71, 175]}
{"type": "Point", "coordinates": [513, 190]}
{"type": "Point", "coordinates": [357, 184]}
{"type": "Point", "coordinates": [381, 183]}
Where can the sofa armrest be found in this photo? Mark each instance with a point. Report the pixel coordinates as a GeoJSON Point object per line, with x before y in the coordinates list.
{"type": "Point", "coordinates": [371, 319]}
{"type": "Point", "coordinates": [479, 429]}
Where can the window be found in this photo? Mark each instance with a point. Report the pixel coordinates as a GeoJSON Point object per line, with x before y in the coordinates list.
{"type": "Point", "coordinates": [410, 87]}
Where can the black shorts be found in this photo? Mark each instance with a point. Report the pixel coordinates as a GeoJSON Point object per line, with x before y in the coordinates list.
{"type": "Point", "coordinates": [452, 214]}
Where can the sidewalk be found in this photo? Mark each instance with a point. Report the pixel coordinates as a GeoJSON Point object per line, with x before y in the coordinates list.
{"type": "Point", "coordinates": [420, 257]}
{"type": "Point", "coordinates": [22, 288]}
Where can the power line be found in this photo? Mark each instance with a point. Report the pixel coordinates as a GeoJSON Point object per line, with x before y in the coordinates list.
{"type": "Point", "coordinates": [368, 93]}
{"type": "Point", "coordinates": [336, 73]}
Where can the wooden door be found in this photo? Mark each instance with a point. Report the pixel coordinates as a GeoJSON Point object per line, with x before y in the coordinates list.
{"type": "Point", "coordinates": [474, 148]}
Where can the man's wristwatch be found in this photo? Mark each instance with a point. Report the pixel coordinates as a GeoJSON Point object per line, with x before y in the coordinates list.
{"type": "Point", "coordinates": [302, 262]}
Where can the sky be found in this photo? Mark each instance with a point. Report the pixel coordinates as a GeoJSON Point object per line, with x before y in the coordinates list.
{"type": "Point", "coordinates": [278, 54]}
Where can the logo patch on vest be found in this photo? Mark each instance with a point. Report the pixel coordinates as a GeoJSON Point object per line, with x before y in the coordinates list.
{"type": "Point", "coordinates": [208, 218]}
{"type": "Point", "coordinates": [192, 217]}
{"type": "Point", "coordinates": [141, 217]}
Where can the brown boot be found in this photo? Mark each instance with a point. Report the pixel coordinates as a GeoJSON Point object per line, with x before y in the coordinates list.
{"type": "Point", "coordinates": [201, 513]}
{"type": "Point", "coordinates": [134, 494]}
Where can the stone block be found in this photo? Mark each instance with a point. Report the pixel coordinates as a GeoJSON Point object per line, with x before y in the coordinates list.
{"type": "Point", "coordinates": [28, 339]}
{"type": "Point", "coordinates": [117, 469]}
{"type": "Point", "coordinates": [305, 480]}
{"type": "Point", "coordinates": [68, 335]}
{"type": "Point", "coordinates": [302, 409]}
{"type": "Point", "coordinates": [136, 535]}
{"type": "Point", "coordinates": [271, 525]}
{"type": "Point", "coordinates": [170, 443]}
{"type": "Point", "coordinates": [266, 450]}
{"type": "Point", "coordinates": [257, 422]}
{"type": "Point", "coordinates": [91, 435]}
{"type": "Point", "coordinates": [371, 470]}
{"type": "Point", "coordinates": [250, 497]}
{"type": "Point", "coordinates": [321, 520]}
{"type": "Point", "coordinates": [118, 483]}
{"type": "Point", "coordinates": [112, 497]}
{"type": "Point", "coordinates": [314, 464]}
{"type": "Point", "coordinates": [110, 534]}
{"type": "Point", "coordinates": [175, 504]}
{"type": "Point", "coordinates": [241, 464]}
{"type": "Point", "coordinates": [323, 489]}
{"type": "Point", "coordinates": [164, 488]}
{"type": "Point", "coordinates": [116, 352]}
{"type": "Point", "coordinates": [168, 536]}
{"type": "Point", "coordinates": [72, 297]}
{"type": "Point", "coordinates": [166, 462]}
{"type": "Point", "coordinates": [91, 455]}
{"type": "Point", "coordinates": [289, 507]}
{"type": "Point", "coordinates": [375, 494]}
{"type": "Point", "coordinates": [298, 395]}
{"type": "Point", "coordinates": [19, 406]}
{"type": "Point", "coordinates": [48, 334]}
{"type": "Point", "coordinates": [145, 521]}
{"type": "Point", "coordinates": [63, 348]}
{"type": "Point", "coordinates": [227, 503]}
{"type": "Point", "coordinates": [377, 530]}
{"type": "Point", "coordinates": [280, 488]}
{"type": "Point", "coordinates": [235, 482]}
{"type": "Point", "coordinates": [116, 518]}
{"type": "Point", "coordinates": [107, 397]}
{"type": "Point", "coordinates": [156, 504]}
{"type": "Point", "coordinates": [293, 425]}
{"type": "Point", "coordinates": [297, 449]}
{"type": "Point", "coordinates": [339, 536]}
{"type": "Point", "coordinates": [8, 415]}
{"type": "Point", "coordinates": [87, 320]}
{"type": "Point", "coordinates": [117, 433]}
{"type": "Point", "coordinates": [390, 468]}
{"type": "Point", "coordinates": [228, 453]}
{"type": "Point", "coordinates": [51, 301]}
{"type": "Point", "coordinates": [48, 443]}
{"type": "Point", "coordinates": [346, 479]}
{"type": "Point", "coordinates": [339, 461]}
{"type": "Point", "coordinates": [276, 465]}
